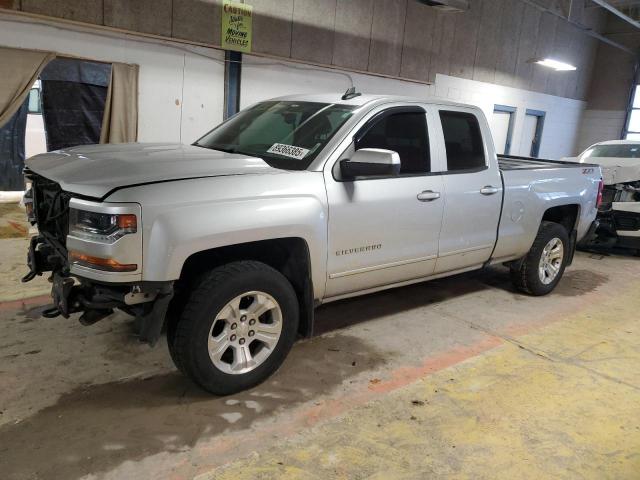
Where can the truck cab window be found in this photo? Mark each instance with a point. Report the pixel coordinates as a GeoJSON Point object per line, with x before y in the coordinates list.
{"type": "Point", "coordinates": [463, 140]}
{"type": "Point", "coordinates": [404, 133]}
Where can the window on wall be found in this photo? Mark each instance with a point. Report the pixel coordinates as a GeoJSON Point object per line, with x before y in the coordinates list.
{"type": "Point", "coordinates": [34, 101]}
{"type": "Point", "coordinates": [633, 124]}
{"type": "Point", "coordinates": [35, 137]}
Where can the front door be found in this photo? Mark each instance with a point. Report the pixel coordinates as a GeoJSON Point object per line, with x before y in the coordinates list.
{"type": "Point", "coordinates": [385, 230]}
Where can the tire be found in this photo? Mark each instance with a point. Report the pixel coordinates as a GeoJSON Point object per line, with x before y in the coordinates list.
{"type": "Point", "coordinates": [222, 341]}
{"type": "Point", "coordinates": [526, 274]}
{"type": "Point", "coordinates": [172, 328]}
{"type": "Point", "coordinates": [174, 312]}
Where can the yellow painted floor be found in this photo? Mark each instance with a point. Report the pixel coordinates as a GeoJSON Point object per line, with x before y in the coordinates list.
{"type": "Point", "coordinates": [562, 402]}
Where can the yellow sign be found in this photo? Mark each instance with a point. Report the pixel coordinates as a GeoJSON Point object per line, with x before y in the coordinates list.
{"type": "Point", "coordinates": [236, 26]}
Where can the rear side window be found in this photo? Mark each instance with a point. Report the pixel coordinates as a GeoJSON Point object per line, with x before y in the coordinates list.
{"type": "Point", "coordinates": [404, 133]}
{"type": "Point", "coordinates": [463, 141]}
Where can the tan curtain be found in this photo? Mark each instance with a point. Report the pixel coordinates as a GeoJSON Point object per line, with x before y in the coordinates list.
{"type": "Point", "coordinates": [18, 70]}
{"type": "Point", "coordinates": [120, 120]}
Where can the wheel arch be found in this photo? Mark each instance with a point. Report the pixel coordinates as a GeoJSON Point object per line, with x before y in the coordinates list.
{"type": "Point", "coordinates": [290, 256]}
{"type": "Point", "coordinates": [567, 216]}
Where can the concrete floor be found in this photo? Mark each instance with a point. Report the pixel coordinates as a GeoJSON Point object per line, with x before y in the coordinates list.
{"type": "Point", "coordinates": [457, 378]}
{"type": "Point", "coordinates": [14, 242]}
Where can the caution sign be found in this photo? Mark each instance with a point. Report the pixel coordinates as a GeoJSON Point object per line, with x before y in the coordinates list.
{"type": "Point", "coordinates": [236, 26]}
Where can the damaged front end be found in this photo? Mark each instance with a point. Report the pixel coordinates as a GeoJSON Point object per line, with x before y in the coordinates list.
{"type": "Point", "coordinates": [618, 219]}
{"type": "Point", "coordinates": [93, 251]}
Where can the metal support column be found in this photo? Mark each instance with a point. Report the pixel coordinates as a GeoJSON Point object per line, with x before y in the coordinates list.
{"type": "Point", "coordinates": [232, 74]}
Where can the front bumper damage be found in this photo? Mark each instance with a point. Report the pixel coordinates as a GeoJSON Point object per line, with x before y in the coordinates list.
{"type": "Point", "coordinates": [147, 301]}
{"type": "Point", "coordinates": [88, 291]}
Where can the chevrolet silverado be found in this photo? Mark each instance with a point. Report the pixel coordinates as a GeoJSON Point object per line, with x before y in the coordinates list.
{"type": "Point", "coordinates": [231, 242]}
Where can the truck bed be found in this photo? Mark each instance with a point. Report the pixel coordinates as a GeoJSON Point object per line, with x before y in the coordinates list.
{"type": "Point", "coordinates": [512, 162]}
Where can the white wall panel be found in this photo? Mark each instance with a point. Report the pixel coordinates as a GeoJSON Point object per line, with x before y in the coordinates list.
{"type": "Point", "coordinates": [264, 78]}
{"type": "Point", "coordinates": [561, 125]}
{"type": "Point", "coordinates": [180, 93]}
{"type": "Point", "coordinates": [203, 96]}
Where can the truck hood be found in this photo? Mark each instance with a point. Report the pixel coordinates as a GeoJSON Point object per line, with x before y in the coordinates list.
{"type": "Point", "coordinates": [618, 170]}
{"type": "Point", "coordinates": [96, 170]}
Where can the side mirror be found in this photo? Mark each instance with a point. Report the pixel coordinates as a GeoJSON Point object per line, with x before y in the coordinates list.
{"type": "Point", "coordinates": [371, 162]}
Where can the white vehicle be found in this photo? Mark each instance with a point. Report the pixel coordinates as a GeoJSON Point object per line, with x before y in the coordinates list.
{"type": "Point", "coordinates": [232, 241]}
{"type": "Point", "coordinates": [618, 220]}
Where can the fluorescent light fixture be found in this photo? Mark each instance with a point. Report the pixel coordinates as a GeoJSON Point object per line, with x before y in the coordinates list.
{"type": "Point", "coordinates": [557, 65]}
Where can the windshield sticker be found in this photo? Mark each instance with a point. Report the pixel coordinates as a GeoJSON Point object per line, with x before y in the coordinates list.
{"type": "Point", "coordinates": [288, 151]}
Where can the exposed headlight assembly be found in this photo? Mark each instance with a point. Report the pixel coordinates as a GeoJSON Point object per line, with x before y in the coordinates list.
{"type": "Point", "coordinates": [104, 237]}
{"type": "Point", "coordinates": [101, 227]}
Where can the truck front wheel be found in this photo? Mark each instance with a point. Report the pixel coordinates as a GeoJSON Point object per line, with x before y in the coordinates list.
{"type": "Point", "coordinates": [541, 269]}
{"type": "Point", "coordinates": [237, 327]}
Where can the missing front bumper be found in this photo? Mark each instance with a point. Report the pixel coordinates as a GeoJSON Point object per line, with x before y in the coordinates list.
{"type": "Point", "coordinates": [96, 301]}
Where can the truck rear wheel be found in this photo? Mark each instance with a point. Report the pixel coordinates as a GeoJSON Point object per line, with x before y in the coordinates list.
{"type": "Point", "coordinates": [237, 327]}
{"type": "Point", "coordinates": [541, 269]}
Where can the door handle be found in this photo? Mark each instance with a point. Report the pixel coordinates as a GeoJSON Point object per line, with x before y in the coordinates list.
{"type": "Point", "coordinates": [489, 190]}
{"type": "Point", "coordinates": [428, 196]}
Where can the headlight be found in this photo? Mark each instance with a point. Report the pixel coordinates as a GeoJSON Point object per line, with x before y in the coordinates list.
{"type": "Point", "coordinates": [101, 227]}
{"type": "Point", "coordinates": [104, 237]}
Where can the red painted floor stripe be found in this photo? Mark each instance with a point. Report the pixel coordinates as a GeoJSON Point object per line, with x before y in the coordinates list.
{"type": "Point", "coordinates": [25, 302]}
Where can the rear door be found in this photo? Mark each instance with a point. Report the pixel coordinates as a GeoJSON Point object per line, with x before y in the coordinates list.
{"type": "Point", "coordinates": [473, 191]}
{"type": "Point", "coordinates": [384, 230]}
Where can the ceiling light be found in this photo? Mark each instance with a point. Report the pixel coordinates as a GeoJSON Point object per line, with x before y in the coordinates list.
{"type": "Point", "coordinates": [557, 65]}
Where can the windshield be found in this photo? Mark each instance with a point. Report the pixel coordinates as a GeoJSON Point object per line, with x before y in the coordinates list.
{"type": "Point", "coordinates": [625, 150]}
{"type": "Point", "coordinates": [286, 135]}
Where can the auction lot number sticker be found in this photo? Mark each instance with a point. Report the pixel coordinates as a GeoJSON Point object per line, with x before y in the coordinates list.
{"type": "Point", "coordinates": [288, 151]}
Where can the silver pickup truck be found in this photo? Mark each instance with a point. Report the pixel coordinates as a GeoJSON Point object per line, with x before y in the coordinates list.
{"type": "Point", "coordinates": [230, 243]}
